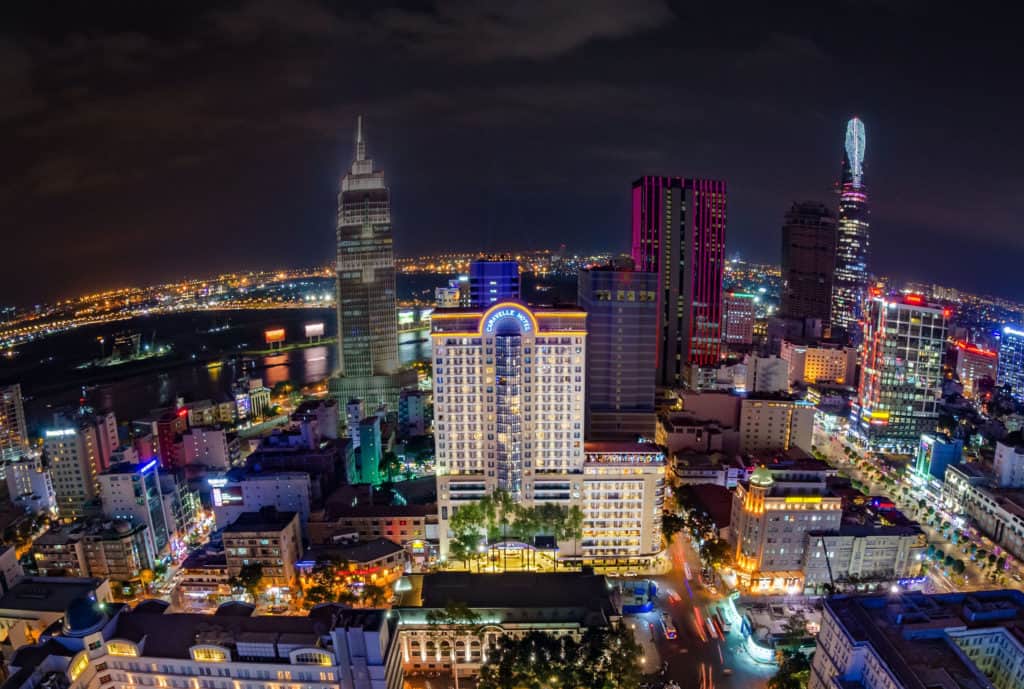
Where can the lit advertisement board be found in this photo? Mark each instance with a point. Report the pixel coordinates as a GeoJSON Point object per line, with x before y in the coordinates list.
{"type": "Point", "coordinates": [274, 335]}
{"type": "Point", "coordinates": [228, 496]}
{"type": "Point", "coordinates": [314, 329]}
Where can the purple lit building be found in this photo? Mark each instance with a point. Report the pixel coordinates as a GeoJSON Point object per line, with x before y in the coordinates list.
{"type": "Point", "coordinates": [679, 233]}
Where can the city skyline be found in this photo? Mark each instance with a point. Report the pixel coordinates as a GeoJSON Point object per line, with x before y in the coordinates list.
{"type": "Point", "coordinates": [271, 174]}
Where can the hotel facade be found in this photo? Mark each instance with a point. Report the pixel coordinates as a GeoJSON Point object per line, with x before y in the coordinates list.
{"type": "Point", "coordinates": [509, 395]}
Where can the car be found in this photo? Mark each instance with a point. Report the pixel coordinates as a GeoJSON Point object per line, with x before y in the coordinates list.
{"type": "Point", "coordinates": [726, 671]}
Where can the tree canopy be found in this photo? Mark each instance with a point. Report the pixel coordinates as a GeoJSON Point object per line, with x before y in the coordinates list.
{"type": "Point", "coordinates": [603, 658]}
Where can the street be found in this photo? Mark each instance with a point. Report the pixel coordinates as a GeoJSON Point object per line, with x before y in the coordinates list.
{"type": "Point", "coordinates": [694, 659]}
{"type": "Point", "coordinates": [938, 582]}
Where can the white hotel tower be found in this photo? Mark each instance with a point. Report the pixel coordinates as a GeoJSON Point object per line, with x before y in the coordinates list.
{"type": "Point", "coordinates": [509, 391]}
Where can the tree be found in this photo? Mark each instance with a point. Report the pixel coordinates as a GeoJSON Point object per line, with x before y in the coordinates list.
{"type": "Point", "coordinates": [146, 577]}
{"type": "Point", "coordinates": [1001, 563]}
{"type": "Point", "coordinates": [992, 559]}
{"type": "Point", "coordinates": [250, 578]}
{"type": "Point", "coordinates": [959, 567]}
{"type": "Point", "coordinates": [793, 672]}
{"type": "Point", "coordinates": [716, 551]}
{"type": "Point", "coordinates": [671, 524]}
{"type": "Point", "coordinates": [390, 466]}
{"type": "Point", "coordinates": [376, 595]}
{"type": "Point", "coordinates": [794, 631]}
{"type": "Point", "coordinates": [318, 594]}
{"type": "Point", "coordinates": [606, 658]}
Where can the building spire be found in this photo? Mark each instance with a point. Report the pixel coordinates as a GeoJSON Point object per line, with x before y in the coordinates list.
{"type": "Point", "coordinates": [360, 144]}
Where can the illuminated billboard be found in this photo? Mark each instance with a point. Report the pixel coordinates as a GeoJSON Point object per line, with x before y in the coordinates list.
{"type": "Point", "coordinates": [314, 329]}
{"type": "Point", "coordinates": [274, 335]}
{"type": "Point", "coordinates": [227, 496]}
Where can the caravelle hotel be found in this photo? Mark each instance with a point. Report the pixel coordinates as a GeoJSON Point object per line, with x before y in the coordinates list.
{"type": "Point", "coordinates": [509, 395]}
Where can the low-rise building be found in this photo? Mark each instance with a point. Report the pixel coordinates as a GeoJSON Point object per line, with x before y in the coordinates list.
{"type": "Point", "coordinates": [118, 551]}
{"type": "Point", "coordinates": [412, 413]}
{"type": "Point", "coordinates": [862, 558]}
{"type": "Point", "coordinates": [717, 468]}
{"type": "Point", "coordinates": [33, 604]}
{"type": "Point", "coordinates": [513, 605]}
{"type": "Point", "coordinates": [117, 647]}
{"type": "Point", "coordinates": [380, 561]}
{"type": "Point", "coordinates": [268, 538]}
{"type": "Point", "coordinates": [914, 641]}
{"type": "Point", "coordinates": [998, 512]}
{"type": "Point", "coordinates": [935, 453]}
{"type": "Point", "coordinates": [239, 492]}
{"type": "Point", "coordinates": [204, 581]}
{"type": "Point", "coordinates": [684, 432]}
{"type": "Point", "coordinates": [30, 486]}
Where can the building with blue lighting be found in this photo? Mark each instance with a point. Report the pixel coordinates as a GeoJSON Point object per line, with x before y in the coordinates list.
{"type": "Point", "coordinates": [1010, 370]}
{"type": "Point", "coordinates": [132, 492]}
{"type": "Point", "coordinates": [935, 453]}
{"type": "Point", "coordinates": [491, 281]}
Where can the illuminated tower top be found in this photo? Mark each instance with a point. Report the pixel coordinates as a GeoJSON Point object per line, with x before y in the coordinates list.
{"type": "Point", "coordinates": [853, 161]}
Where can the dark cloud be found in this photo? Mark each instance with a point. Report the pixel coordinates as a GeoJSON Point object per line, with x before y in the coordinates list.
{"type": "Point", "coordinates": [148, 141]}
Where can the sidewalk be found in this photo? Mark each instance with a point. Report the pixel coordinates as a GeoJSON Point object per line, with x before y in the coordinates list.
{"type": "Point", "coordinates": [646, 638]}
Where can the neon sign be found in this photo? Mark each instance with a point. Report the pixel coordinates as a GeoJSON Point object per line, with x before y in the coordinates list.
{"type": "Point", "coordinates": [525, 323]}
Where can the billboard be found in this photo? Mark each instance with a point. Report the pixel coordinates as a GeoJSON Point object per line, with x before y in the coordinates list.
{"type": "Point", "coordinates": [314, 329]}
{"type": "Point", "coordinates": [274, 335]}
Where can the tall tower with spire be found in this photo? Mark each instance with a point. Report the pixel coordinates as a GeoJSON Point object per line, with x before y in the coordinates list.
{"type": "Point", "coordinates": [850, 281]}
{"type": "Point", "coordinates": [368, 366]}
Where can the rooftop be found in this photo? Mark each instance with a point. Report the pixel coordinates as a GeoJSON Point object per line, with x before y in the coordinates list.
{"type": "Point", "coordinates": [171, 635]}
{"type": "Point", "coordinates": [911, 632]}
{"type": "Point", "coordinates": [267, 519]}
{"type": "Point", "coordinates": [359, 552]}
{"type": "Point", "coordinates": [517, 590]}
{"type": "Point", "coordinates": [620, 447]}
{"type": "Point", "coordinates": [47, 594]}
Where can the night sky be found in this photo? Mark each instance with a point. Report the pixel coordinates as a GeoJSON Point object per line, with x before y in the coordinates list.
{"type": "Point", "coordinates": [143, 142]}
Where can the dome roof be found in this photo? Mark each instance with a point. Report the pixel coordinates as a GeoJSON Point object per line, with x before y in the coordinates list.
{"type": "Point", "coordinates": [84, 616]}
{"type": "Point", "coordinates": [762, 476]}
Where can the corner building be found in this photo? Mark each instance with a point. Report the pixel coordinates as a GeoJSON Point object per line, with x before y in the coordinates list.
{"type": "Point", "coordinates": [901, 372]}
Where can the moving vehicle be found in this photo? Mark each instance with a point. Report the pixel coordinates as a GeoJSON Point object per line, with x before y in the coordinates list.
{"type": "Point", "coordinates": [670, 627]}
{"type": "Point", "coordinates": [722, 624]}
{"type": "Point", "coordinates": [712, 630]}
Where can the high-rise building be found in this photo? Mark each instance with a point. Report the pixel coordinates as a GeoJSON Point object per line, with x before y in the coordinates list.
{"type": "Point", "coordinates": [679, 233]}
{"type": "Point", "coordinates": [1010, 370]}
{"type": "Point", "coordinates": [73, 452]}
{"type": "Point", "coordinates": [622, 333]}
{"type": "Point", "coordinates": [132, 492]}
{"type": "Point", "coordinates": [973, 364]}
{"type": "Point", "coordinates": [268, 537]}
{"type": "Point", "coordinates": [738, 318]}
{"type": "Point", "coordinates": [849, 285]}
{"type": "Point", "coordinates": [13, 436]}
{"type": "Point", "coordinates": [492, 280]}
{"type": "Point", "coordinates": [367, 317]}
{"type": "Point", "coordinates": [917, 641]}
{"type": "Point", "coordinates": [808, 261]}
{"type": "Point", "coordinates": [936, 453]}
{"type": "Point", "coordinates": [775, 423]}
{"type": "Point", "coordinates": [508, 402]}
{"type": "Point", "coordinates": [1008, 462]}
{"type": "Point", "coordinates": [900, 371]}
{"type": "Point", "coordinates": [509, 398]}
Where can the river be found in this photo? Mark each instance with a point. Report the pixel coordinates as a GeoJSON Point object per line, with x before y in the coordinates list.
{"type": "Point", "coordinates": [204, 361]}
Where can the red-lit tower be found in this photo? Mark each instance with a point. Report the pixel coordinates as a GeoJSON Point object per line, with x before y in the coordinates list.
{"type": "Point", "coordinates": [679, 233]}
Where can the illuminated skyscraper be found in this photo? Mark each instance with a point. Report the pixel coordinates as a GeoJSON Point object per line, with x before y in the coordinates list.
{"type": "Point", "coordinates": [850, 282]}
{"type": "Point", "coordinates": [367, 322]}
{"type": "Point", "coordinates": [1011, 361]}
{"type": "Point", "coordinates": [808, 261]}
{"type": "Point", "coordinates": [901, 371]}
{"type": "Point", "coordinates": [679, 233]}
